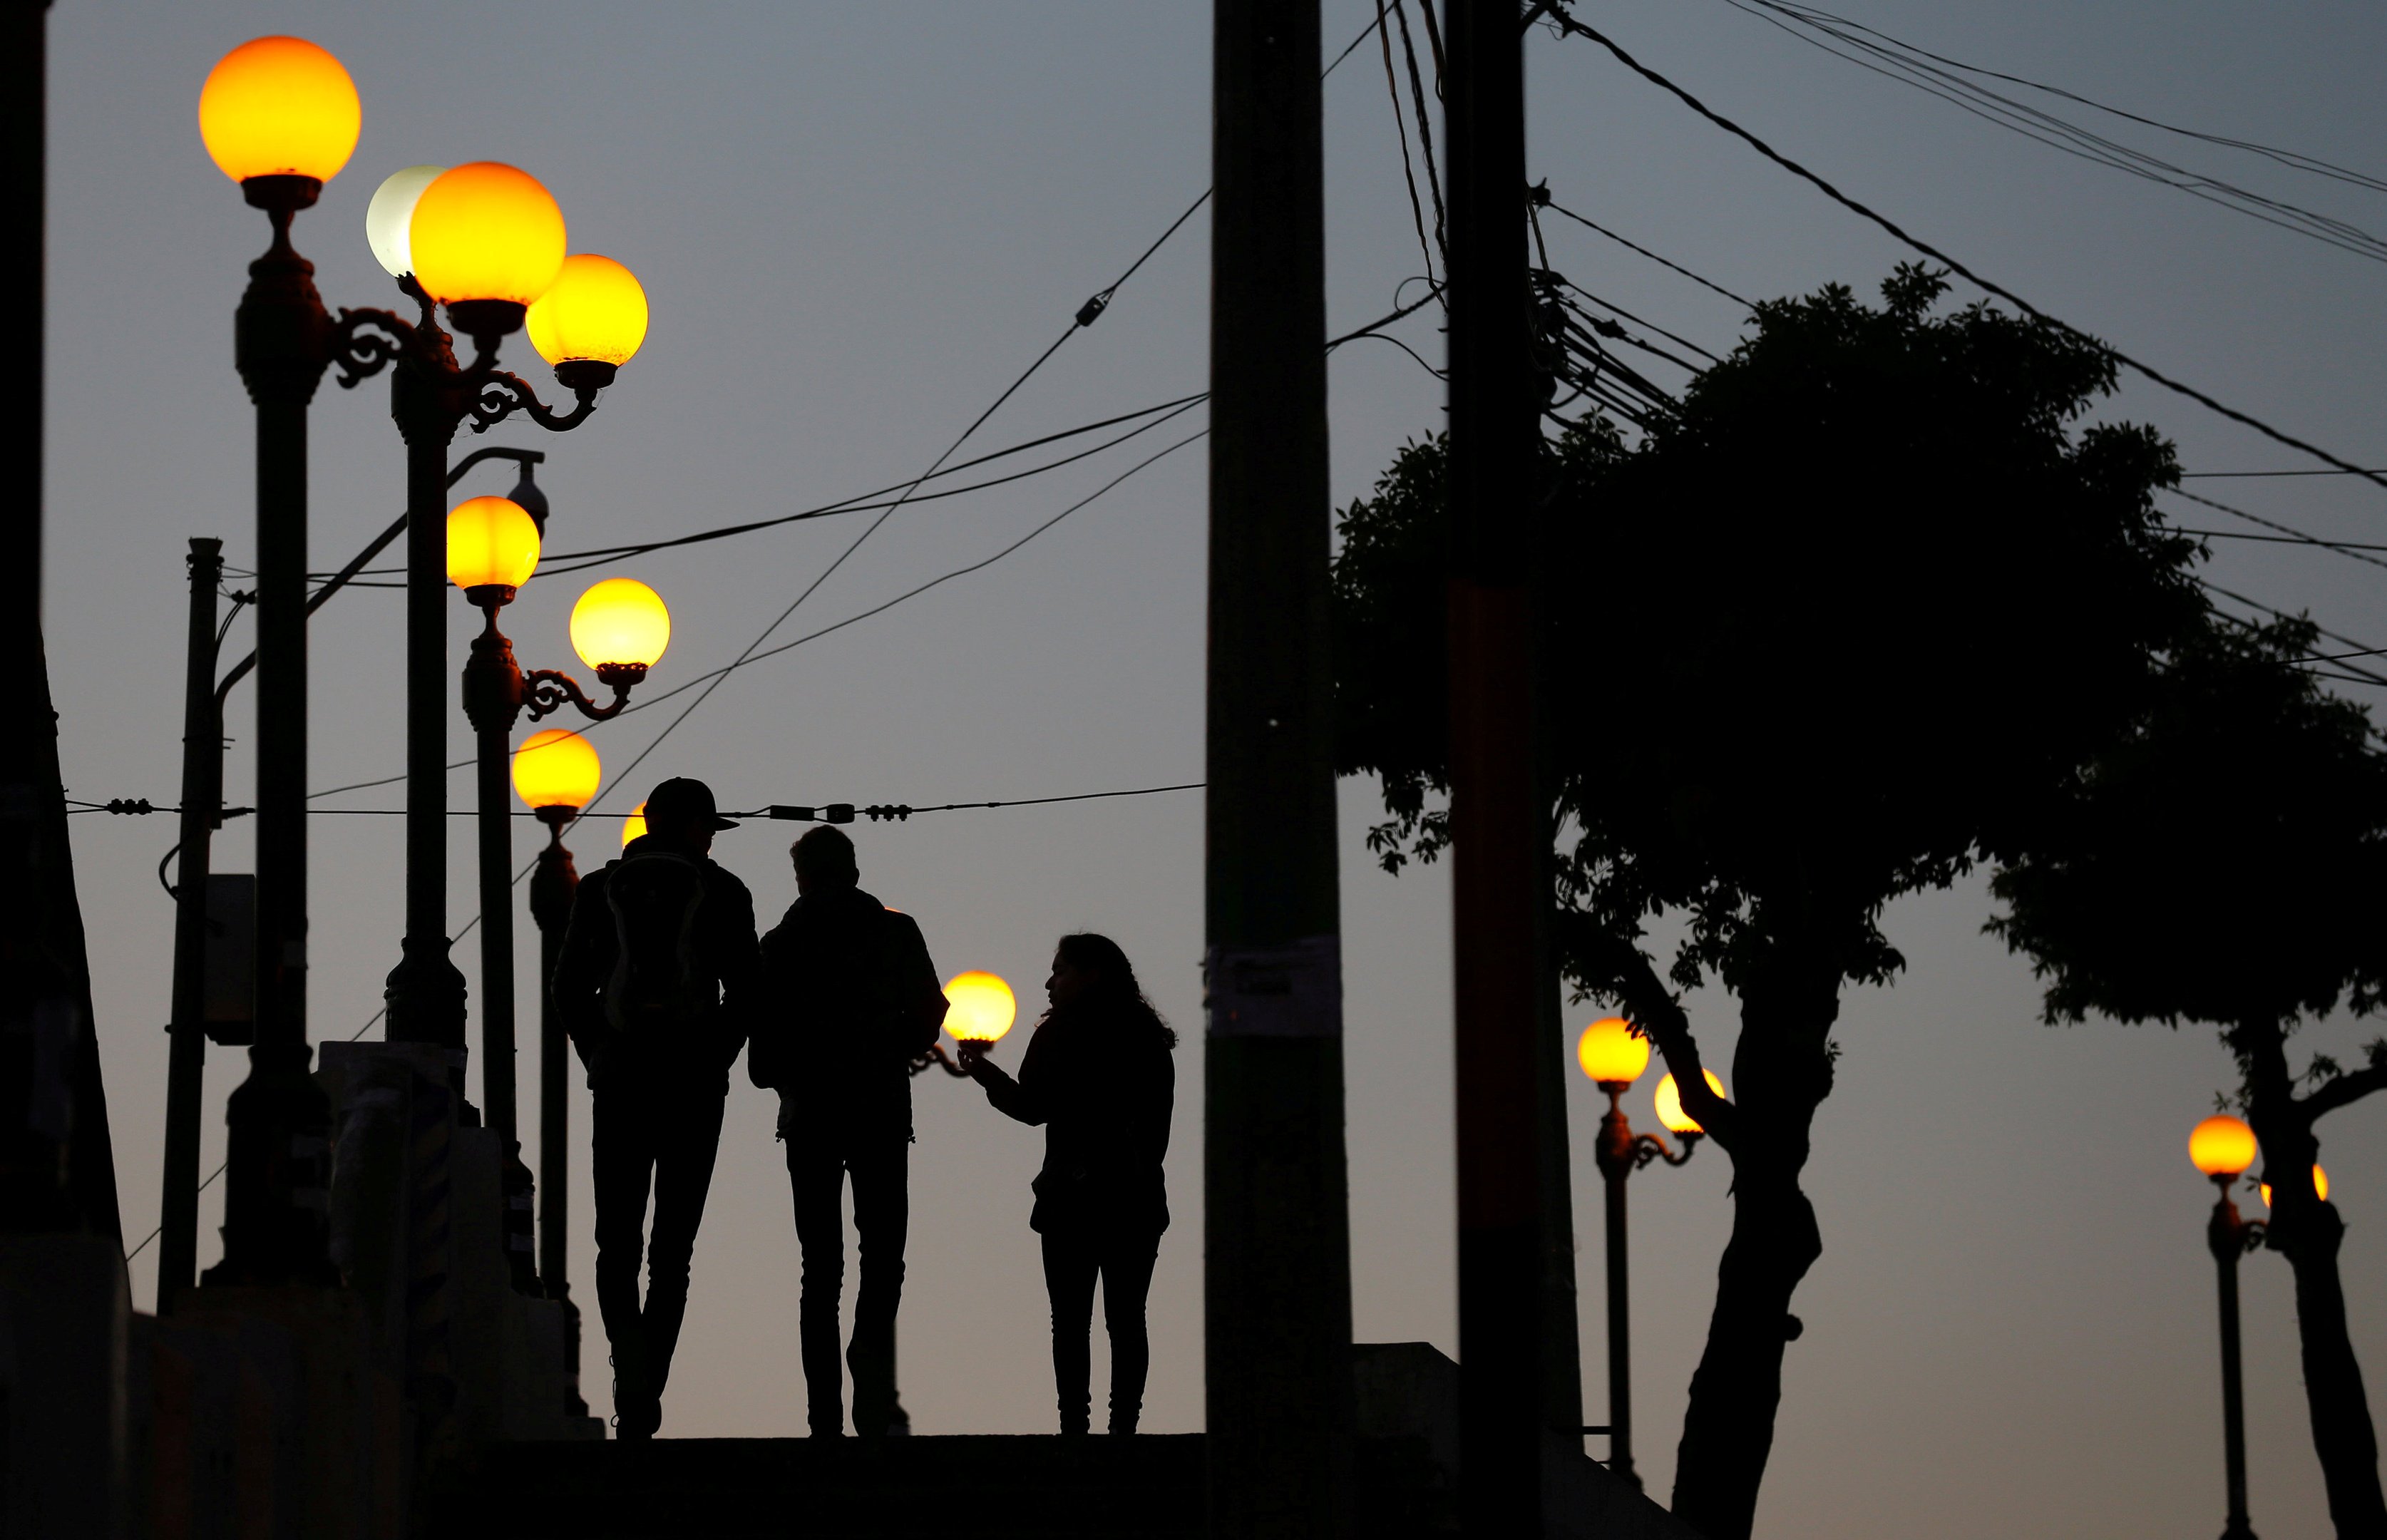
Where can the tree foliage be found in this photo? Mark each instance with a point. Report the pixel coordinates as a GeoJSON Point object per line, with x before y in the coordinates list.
{"type": "Point", "coordinates": [1842, 623]}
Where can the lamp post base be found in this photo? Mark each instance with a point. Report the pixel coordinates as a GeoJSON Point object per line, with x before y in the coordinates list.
{"type": "Point", "coordinates": [425, 995]}
{"type": "Point", "coordinates": [277, 1200]}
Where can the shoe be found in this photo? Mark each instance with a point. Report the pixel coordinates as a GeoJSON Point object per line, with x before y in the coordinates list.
{"type": "Point", "coordinates": [635, 1422]}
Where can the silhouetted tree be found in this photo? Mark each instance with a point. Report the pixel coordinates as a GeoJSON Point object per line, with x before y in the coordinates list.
{"type": "Point", "coordinates": [2226, 861]}
{"type": "Point", "coordinates": [1843, 623]}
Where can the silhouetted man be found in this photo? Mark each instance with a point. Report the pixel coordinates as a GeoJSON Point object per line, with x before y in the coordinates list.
{"type": "Point", "coordinates": [654, 985]}
{"type": "Point", "coordinates": [849, 998]}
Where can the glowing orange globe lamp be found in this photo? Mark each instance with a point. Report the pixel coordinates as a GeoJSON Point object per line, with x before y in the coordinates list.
{"type": "Point", "coordinates": [556, 768]}
{"type": "Point", "coordinates": [2221, 1146]}
{"type": "Point", "coordinates": [620, 624]}
{"type": "Point", "coordinates": [1668, 1101]}
{"type": "Point", "coordinates": [980, 1008]}
{"type": "Point", "coordinates": [1612, 1054]}
{"type": "Point", "coordinates": [280, 106]}
{"type": "Point", "coordinates": [635, 825]}
{"type": "Point", "coordinates": [486, 240]}
{"type": "Point", "coordinates": [2320, 1186]}
{"type": "Point", "coordinates": [590, 323]}
{"type": "Point", "coordinates": [492, 548]}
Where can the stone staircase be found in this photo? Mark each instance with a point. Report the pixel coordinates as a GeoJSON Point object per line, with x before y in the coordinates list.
{"type": "Point", "coordinates": [729, 1488]}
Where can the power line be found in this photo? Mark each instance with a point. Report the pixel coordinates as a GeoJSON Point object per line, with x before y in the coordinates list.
{"type": "Point", "coordinates": [2368, 678]}
{"type": "Point", "coordinates": [2195, 476]}
{"type": "Point", "coordinates": [845, 813]}
{"type": "Point", "coordinates": [2287, 532]}
{"type": "Point", "coordinates": [1085, 317]}
{"type": "Point", "coordinates": [2149, 371]}
{"type": "Point", "coordinates": [1556, 207]}
{"type": "Point", "coordinates": [1902, 62]}
{"type": "Point", "coordinates": [2294, 158]}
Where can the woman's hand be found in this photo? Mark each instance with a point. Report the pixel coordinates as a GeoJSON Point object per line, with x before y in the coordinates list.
{"type": "Point", "coordinates": [971, 1056]}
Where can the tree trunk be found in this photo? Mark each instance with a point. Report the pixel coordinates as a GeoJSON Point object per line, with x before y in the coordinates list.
{"type": "Point", "coordinates": [1782, 1072]}
{"type": "Point", "coordinates": [2307, 1231]}
{"type": "Point", "coordinates": [2341, 1413]}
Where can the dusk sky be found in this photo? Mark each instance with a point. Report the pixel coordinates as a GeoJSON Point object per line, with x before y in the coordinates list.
{"type": "Point", "coordinates": [856, 225]}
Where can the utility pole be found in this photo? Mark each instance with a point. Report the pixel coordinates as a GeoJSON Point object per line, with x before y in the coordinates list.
{"type": "Point", "coordinates": [178, 1225]}
{"type": "Point", "coordinates": [1499, 827]}
{"type": "Point", "coordinates": [1277, 1281]}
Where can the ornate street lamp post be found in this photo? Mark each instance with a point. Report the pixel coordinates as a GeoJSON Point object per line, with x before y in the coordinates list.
{"type": "Point", "coordinates": [280, 116]}
{"type": "Point", "coordinates": [557, 773]}
{"type": "Point", "coordinates": [2222, 1147]}
{"type": "Point", "coordinates": [1613, 1057]}
{"type": "Point", "coordinates": [488, 241]}
{"type": "Point", "coordinates": [620, 629]}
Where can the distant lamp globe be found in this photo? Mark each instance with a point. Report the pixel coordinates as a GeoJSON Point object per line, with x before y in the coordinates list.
{"type": "Point", "coordinates": [635, 825]}
{"type": "Point", "coordinates": [492, 548]}
{"type": "Point", "coordinates": [389, 217]}
{"type": "Point", "coordinates": [280, 106]}
{"type": "Point", "coordinates": [2320, 1186]}
{"type": "Point", "coordinates": [620, 628]}
{"type": "Point", "coordinates": [590, 323]}
{"type": "Point", "coordinates": [556, 768]}
{"type": "Point", "coordinates": [486, 240]}
{"type": "Point", "coordinates": [1612, 1054]}
{"type": "Point", "coordinates": [1669, 1100]}
{"type": "Point", "coordinates": [2221, 1146]}
{"type": "Point", "coordinates": [981, 1008]}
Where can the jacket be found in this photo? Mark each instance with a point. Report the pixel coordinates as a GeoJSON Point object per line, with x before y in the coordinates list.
{"type": "Point", "coordinates": [1105, 1089]}
{"type": "Point", "coordinates": [696, 1054]}
{"type": "Point", "coordinates": [849, 999]}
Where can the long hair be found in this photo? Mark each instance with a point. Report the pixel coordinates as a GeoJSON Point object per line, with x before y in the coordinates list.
{"type": "Point", "coordinates": [1115, 991]}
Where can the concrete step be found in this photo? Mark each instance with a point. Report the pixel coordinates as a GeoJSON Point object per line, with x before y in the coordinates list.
{"type": "Point", "coordinates": [966, 1487]}
{"type": "Point", "coordinates": [958, 1487]}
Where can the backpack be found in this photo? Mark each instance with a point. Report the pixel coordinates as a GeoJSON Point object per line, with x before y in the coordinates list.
{"type": "Point", "coordinates": [657, 984]}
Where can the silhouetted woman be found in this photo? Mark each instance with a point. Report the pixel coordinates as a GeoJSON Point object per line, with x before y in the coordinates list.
{"type": "Point", "coordinates": [1098, 1075]}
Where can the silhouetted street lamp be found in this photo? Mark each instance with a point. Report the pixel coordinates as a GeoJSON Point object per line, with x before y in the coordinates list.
{"type": "Point", "coordinates": [281, 117]}
{"type": "Point", "coordinates": [488, 241]}
{"type": "Point", "coordinates": [557, 773]}
{"type": "Point", "coordinates": [1613, 1056]}
{"type": "Point", "coordinates": [620, 629]}
{"type": "Point", "coordinates": [2222, 1147]}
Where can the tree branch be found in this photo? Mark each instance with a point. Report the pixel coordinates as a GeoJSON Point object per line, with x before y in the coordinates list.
{"type": "Point", "coordinates": [2342, 1089]}
{"type": "Point", "coordinates": [1649, 1005]}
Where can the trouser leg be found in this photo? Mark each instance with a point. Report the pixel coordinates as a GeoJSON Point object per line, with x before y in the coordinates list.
{"type": "Point", "coordinates": [691, 1139]}
{"type": "Point", "coordinates": [881, 1218]}
{"type": "Point", "coordinates": [816, 1180]}
{"type": "Point", "coordinates": [1127, 1282]}
{"type": "Point", "coordinates": [621, 1164]}
{"type": "Point", "coordinates": [1069, 1266]}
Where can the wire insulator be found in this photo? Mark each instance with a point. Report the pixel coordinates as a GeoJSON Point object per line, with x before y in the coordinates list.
{"type": "Point", "coordinates": [1090, 311]}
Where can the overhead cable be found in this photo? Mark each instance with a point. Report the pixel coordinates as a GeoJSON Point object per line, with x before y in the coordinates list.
{"type": "Point", "coordinates": [1905, 64]}
{"type": "Point", "coordinates": [2148, 370]}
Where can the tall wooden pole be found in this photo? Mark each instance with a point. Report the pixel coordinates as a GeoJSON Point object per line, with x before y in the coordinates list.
{"type": "Point", "coordinates": [1497, 828]}
{"type": "Point", "coordinates": [1277, 1268]}
{"type": "Point", "coordinates": [178, 1222]}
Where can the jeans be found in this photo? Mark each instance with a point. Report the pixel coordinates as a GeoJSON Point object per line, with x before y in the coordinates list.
{"type": "Point", "coordinates": [817, 1173]}
{"type": "Point", "coordinates": [641, 1137]}
{"type": "Point", "coordinates": [1072, 1260]}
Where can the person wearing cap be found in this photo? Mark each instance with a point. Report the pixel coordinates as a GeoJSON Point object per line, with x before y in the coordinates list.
{"type": "Point", "coordinates": [849, 1000]}
{"type": "Point", "coordinates": [655, 985]}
